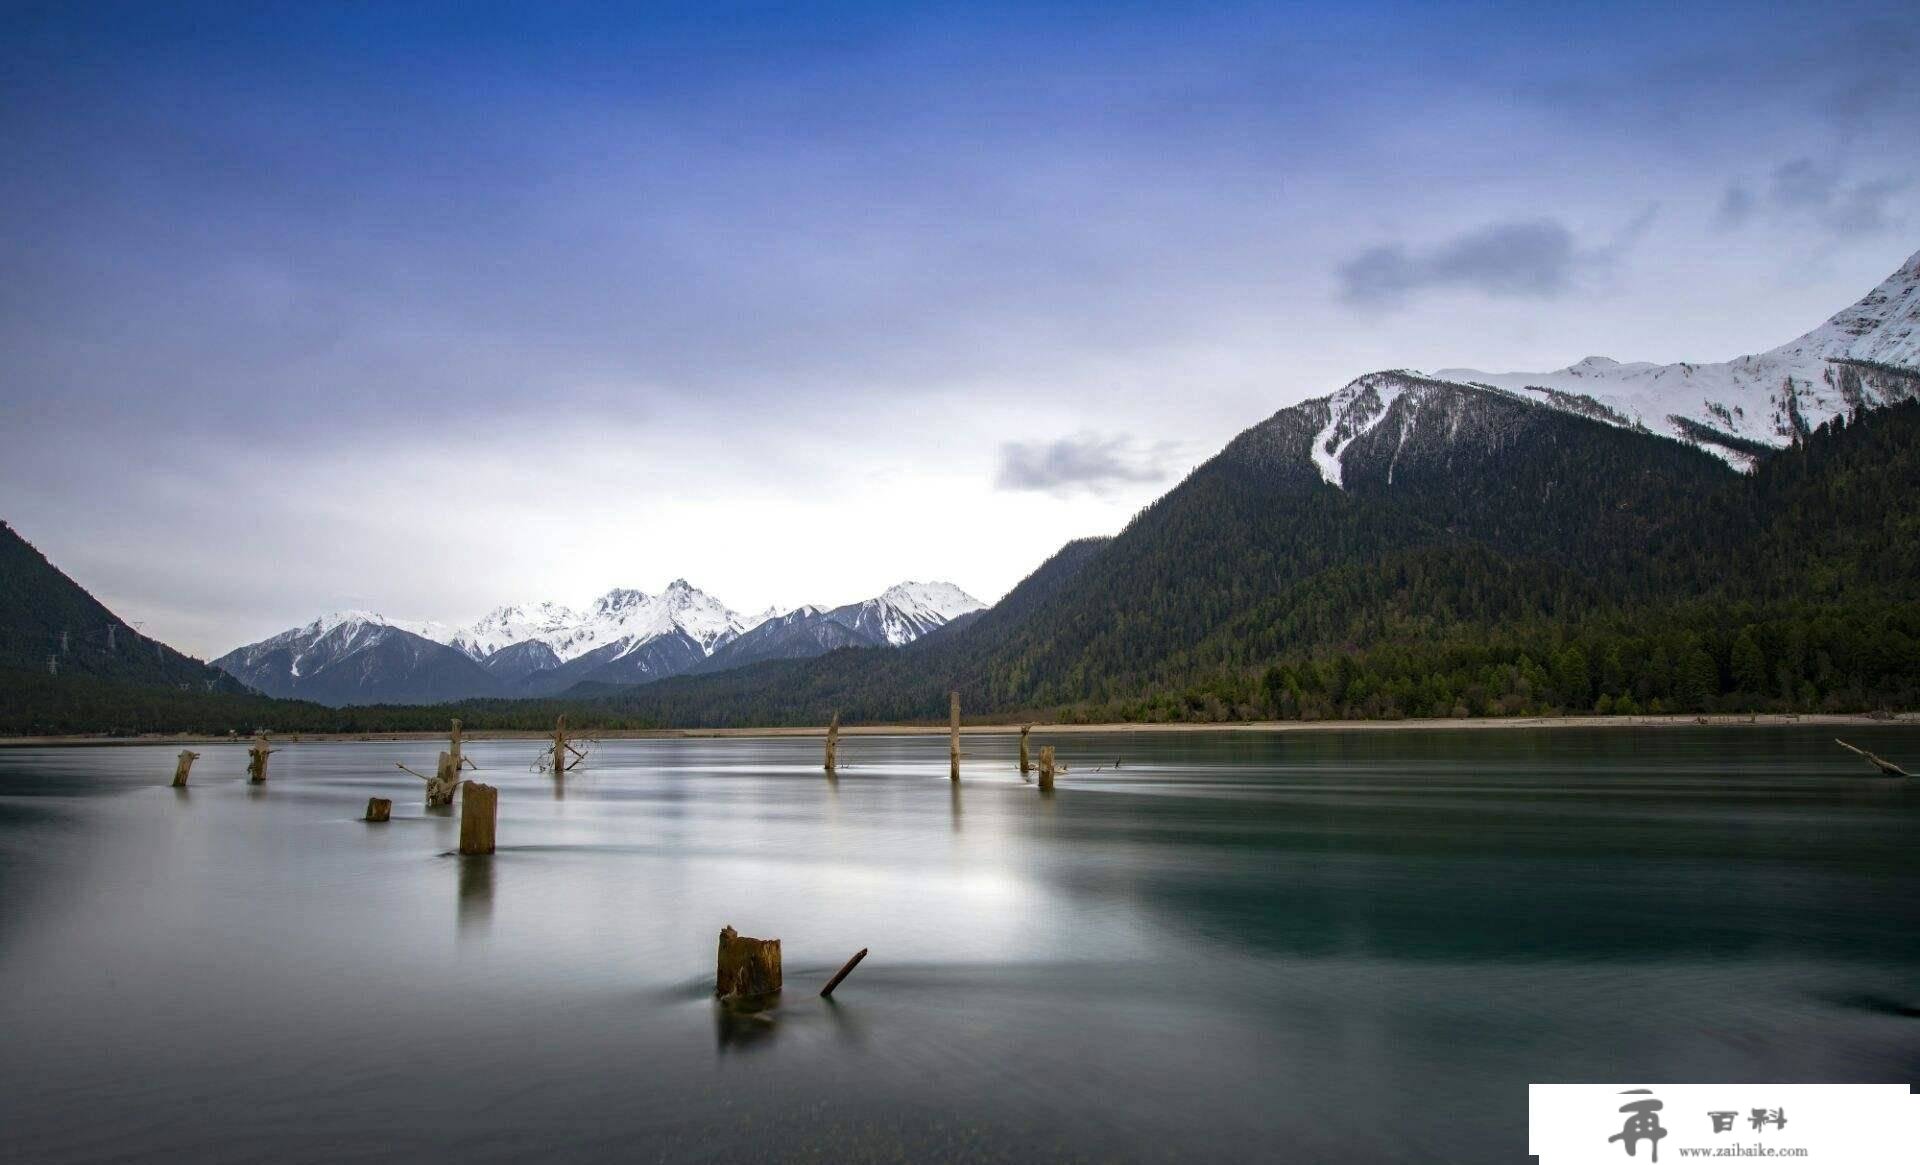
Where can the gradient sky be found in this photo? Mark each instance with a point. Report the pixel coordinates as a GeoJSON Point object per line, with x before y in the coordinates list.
{"type": "Point", "coordinates": [426, 308]}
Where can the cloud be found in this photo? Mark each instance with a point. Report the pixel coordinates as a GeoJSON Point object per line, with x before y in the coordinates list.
{"type": "Point", "coordinates": [1535, 258]}
{"type": "Point", "coordinates": [1800, 185]}
{"type": "Point", "coordinates": [1736, 207]}
{"type": "Point", "coordinates": [1085, 462]}
{"type": "Point", "coordinates": [1847, 209]}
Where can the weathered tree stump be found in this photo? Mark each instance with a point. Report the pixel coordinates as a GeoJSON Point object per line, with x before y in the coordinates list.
{"type": "Point", "coordinates": [833, 743]}
{"type": "Point", "coordinates": [460, 761]}
{"type": "Point", "coordinates": [379, 809]}
{"type": "Point", "coordinates": [478, 806]}
{"type": "Point", "coordinates": [257, 760]}
{"type": "Point", "coordinates": [1026, 765]}
{"type": "Point", "coordinates": [1046, 767]}
{"type": "Point", "coordinates": [446, 779]}
{"type": "Point", "coordinates": [953, 736]}
{"type": "Point", "coordinates": [747, 967]}
{"type": "Point", "coordinates": [182, 765]}
{"type": "Point", "coordinates": [561, 747]}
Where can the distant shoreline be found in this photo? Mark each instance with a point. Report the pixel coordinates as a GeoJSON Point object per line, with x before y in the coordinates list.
{"type": "Point", "coordinates": [1502, 723]}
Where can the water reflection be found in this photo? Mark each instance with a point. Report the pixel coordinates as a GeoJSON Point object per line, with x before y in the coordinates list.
{"type": "Point", "coordinates": [745, 1025]}
{"type": "Point", "coordinates": [476, 894]}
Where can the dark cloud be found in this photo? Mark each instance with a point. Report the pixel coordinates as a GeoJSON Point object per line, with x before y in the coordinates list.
{"type": "Point", "coordinates": [1535, 257]}
{"type": "Point", "coordinates": [1083, 463]}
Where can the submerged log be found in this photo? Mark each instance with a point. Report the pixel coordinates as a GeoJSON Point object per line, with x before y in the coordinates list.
{"type": "Point", "coordinates": [379, 809]}
{"type": "Point", "coordinates": [1046, 767]}
{"type": "Point", "coordinates": [833, 743]}
{"type": "Point", "coordinates": [1879, 762]}
{"type": "Point", "coordinates": [182, 765]}
{"type": "Point", "coordinates": [843, 973]}
{"type": "Point", "coordinates": [747, 967]}
{"type": "Point", "coordinates": [479, 805]}
{"type": "Point", "coordinates": [953, 736]}
{"type": "Point", "coordinates": [1026, 765]}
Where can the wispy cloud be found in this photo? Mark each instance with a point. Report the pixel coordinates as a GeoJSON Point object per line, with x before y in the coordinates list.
{"type": "Point", "coordinates": [1085, 462]}
{"type": "Point", "coordinates": [1804, 189]}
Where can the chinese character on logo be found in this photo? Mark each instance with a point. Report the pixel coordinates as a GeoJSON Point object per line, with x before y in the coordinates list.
{"type": "Point", "coordinates": [1761, 1118]}
{"type": "Point", "coordinates": [1643, 1125]}
{"type": "Point", "coordinates": [1723, 1121]}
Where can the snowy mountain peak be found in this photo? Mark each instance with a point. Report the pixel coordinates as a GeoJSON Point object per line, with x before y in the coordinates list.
{"type": "Point", "coordinates": [942, 600]}
{"type": "Point", "coordinates": [1864, 357]}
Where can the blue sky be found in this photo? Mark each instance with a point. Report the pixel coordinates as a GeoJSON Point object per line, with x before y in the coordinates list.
{"type": "Point", "coordinates": [430, 307]}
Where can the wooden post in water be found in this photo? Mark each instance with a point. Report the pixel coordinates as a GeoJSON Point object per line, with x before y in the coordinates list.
{"type": "Point", "coordinates": [953, 735]}
{"type": "Point", "coordinates": [747, 967]}
{"type": "Point", "coordinates": [257, 759]}
{"type": "Point", "coordinates": [459, 759]}
{"type": "Point", "coordinates": [478, 806]}
{"type": "Point", "coordinates": [1025, 765]}
{"type": "Point", "coordinates": [1046, 768]}
{"type": "Point", "coordinates": [379, 809]}
{"type": "Point", "coordinates": [182, 765]}
{"type": "Point", "coordinates": [833, 743]}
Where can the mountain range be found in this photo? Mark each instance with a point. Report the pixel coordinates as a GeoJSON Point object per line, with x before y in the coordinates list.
{"type": "Point", "coordinates": [544, 648]}
{"type": "Point", "coordinates": [1611, 537]}
{"type": "Point", "coordinates": [1680, 536]}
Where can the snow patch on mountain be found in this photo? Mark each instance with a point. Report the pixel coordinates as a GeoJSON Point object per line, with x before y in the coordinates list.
{"type": "Point", "coordinates": [1352, 413]}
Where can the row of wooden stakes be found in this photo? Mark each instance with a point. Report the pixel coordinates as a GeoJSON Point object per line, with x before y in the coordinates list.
{"type": "Point", "coordinates": [1048, 767]}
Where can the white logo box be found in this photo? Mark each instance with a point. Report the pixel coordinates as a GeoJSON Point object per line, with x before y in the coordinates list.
{"type": "Point", "coordinates": [1835, 1124]}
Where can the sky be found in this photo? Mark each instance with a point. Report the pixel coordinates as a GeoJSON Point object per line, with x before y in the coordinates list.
{"type": "Point", "coordinates": [428, 308]}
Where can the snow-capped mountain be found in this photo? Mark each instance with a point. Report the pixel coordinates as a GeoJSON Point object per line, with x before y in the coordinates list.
{"type": "Point", "coordinates": [622, 616]}
{"type": "Point", "coordinates": [1865, 357]}
{"type": "Point", "coordinates": [906, 611]}
{"type": "Point", "coordinates": [896, 617]}
{"type": "Point", "coordinates": [541, 648]}
{"type": "Point", "coordinates": [358, 657]}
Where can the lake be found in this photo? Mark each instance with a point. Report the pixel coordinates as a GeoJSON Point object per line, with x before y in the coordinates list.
{"type": "Point", "coordinates": [1338, 946]}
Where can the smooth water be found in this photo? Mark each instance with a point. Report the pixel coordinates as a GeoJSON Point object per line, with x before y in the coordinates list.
{"type": "Point", "coordinates": [1310, 946]}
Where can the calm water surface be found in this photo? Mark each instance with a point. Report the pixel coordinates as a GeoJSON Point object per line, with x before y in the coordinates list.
{"type": "Point", "coordinates": [1322, 946]}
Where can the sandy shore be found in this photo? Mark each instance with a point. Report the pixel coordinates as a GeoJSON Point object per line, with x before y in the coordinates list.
{"type": "Point", "coordinates": [1468, 724]}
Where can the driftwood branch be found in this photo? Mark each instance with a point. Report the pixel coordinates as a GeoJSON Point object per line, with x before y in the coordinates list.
{"type": "Point", "coordinates": [843, 973]}
{"type": "Point", "coordinates": [1879, 762]}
